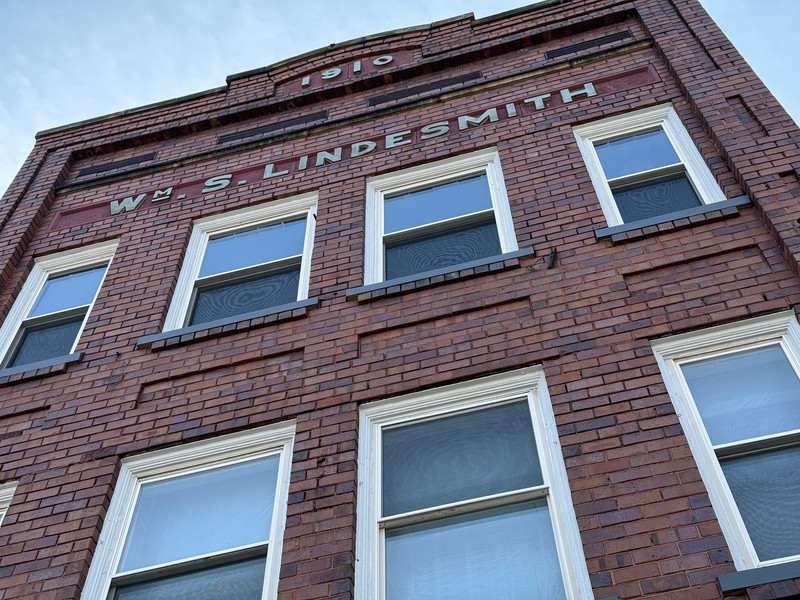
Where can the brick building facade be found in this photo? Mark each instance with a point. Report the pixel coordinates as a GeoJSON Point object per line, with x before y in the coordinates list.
{"type": "Point", "coordinates": [496, 308]}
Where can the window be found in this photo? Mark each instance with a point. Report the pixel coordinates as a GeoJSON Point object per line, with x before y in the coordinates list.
{"type": "Point", "coordinates": [737, 393]}
{"type": "Point", "coordinates": [50, 312]}
{"type": "Point", "coordinates": [200, 522]}
{"type": "Point", "coordinates": [645, 165]}
{"type": "Point", "coordinates": [6, 494]}
{"type": "Point", "coordinates": [245, 262]}
{"type": "Point", "coordinates": [464, 495]}
{"type": "Point", "coordinates": [436, 216]}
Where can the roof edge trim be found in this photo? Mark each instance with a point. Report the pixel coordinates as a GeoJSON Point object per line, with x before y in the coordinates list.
{"type": "Point", "coordinates": [517, 11]}
{"type": "Point", "coordinates": [337, 45]}
{"type": "Point", "coordinates": [130, 111]}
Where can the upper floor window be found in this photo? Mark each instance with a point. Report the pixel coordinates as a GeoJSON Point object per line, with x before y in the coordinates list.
{"type": "Point", "coordinates": [50, 312]}
{"type": "Point", "coordinates": [437, 216]}
{"type": "Point", "coordinates": [644, 165]}
{"type": "Point", "coordinates": [737, 393]}
{"type": "Point", "coordinates": [201, 521]}
{"type": "Point", "coordinates": [244, 262]}
{"type": "Point", "coordinates": [464, 495]}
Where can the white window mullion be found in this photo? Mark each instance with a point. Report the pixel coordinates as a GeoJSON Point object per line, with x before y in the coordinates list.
{"type": "Point", "coordinates": [562, 511]}
{"type": "Point", "coordinates": [434, 513]}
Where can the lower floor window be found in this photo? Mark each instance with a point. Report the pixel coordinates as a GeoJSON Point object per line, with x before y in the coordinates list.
{"type": "Point", "coordinates": [201, 523]}
{"type": "Point", "coordinates": [737, 391]}
{"type": "Point", "coordinates": [468, 498]}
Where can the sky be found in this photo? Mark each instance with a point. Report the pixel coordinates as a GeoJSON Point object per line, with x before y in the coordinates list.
{"type": "Point", "coordinates": [62, 61]}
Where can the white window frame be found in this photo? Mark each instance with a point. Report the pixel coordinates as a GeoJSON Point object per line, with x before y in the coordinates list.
{"type": "Point", "coordinates": [425, 176]}
{"type": "Point", "coordinates": [781, 328]}
{"type": "Point", "coordinates": [194, 457]}
{"type": "Point", "coordinates": [239, 220]}
{"type": "Point", "coordinates": [641, 121]}
{"type": "Point", "coordinates": [62, 263]}
{"type": "Point", "coordinates": [6, 494]}
{"type": "Point", "coordinates": [526, 384]}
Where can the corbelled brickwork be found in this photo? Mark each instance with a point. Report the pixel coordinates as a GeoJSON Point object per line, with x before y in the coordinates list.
{"type": "Point", "coordinates": [585, 309]}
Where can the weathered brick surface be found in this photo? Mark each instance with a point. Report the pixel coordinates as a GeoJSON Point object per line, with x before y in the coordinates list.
{"type": "Point", "coordinates": [645, 519]}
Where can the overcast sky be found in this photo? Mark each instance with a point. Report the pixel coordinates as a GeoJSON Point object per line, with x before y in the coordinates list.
{"type": "Point", "coordinates": [62, 61]}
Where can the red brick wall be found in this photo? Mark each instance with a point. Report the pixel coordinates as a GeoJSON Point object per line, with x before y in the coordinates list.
{"type": "Point", "coordinates": [645, 519]}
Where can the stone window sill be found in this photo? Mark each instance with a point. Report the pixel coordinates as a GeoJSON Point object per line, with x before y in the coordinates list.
{"type": "Point", "coordinates": [672, 221]}
{"type": "Point", "coordinates": [490, 264]}
{"type": "Point", "coordinates": [185, 335]}
{"type": "Point", "coordinates": [42, 368]}
{"type": "Point", "coordinates": [782, 581]}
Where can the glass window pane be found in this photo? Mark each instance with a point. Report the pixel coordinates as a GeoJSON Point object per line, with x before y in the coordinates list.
{"type": "Point", "coordinates": [254, 247]}
{"type": "Point", "coordinates": [444, 249]}
{"type": "Point", "coordinates": [68, 291]}
{"type": "Point", "coordinates": [506, 553]}
{"type": "Point", "coordinates": [637, 153]}
{"type": "Point", "coordinates": [46, 341]}
{"type": "Point", "coordinates": [746, 394]}
{"type": "Point", "coordinates": [237, 581]}
{"type": "Point", "coordinates": [245, 295]}
{"type": "Point", "coordinates": [460, 457]}
{"type": "Point", "coordinates": [767, 491]}
{"type": "Point", "coordinates": [436, 203]}
{"type": "Point", "coordinates": [200, 513]}
{"type": "Point", "coordinates": [656, 198]}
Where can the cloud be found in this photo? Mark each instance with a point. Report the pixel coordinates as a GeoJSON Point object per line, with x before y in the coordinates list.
{"type": "Point", "coordinates": [70, 60]}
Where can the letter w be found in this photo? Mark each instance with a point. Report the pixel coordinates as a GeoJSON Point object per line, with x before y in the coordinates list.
{"type": "Point", "coordinates": [127, 205]}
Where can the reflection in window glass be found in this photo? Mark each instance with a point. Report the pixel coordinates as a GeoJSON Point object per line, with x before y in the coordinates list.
{"type": "Point", "coordinates": [53, 324]}
{"type": "Point", "coordinates": [453, 246]}
{"type": "Point", "coordinates": [506, 553]}
{"type": "Point", "coordinates": [740, 408]}
{"type": "Point", "coordinates": [636, 153]}
{"type": "Point", "coordinates": [460, 457]}
{"type": "Point", "coordinates": [767, 492]}
{"type": "Point", "coordinates": [204, 512]}
{"type": "Point", "coordinates": [242, 296]}
{"type": "Point", "coordinates": [654, 198]}
{"type": "Point", "coordinates": [745, 394]}
{"type": "Point", "coordinates": [237, 581]}
{"type": "Point", "coordinates": [46, 341]}
{"type": "Point", "coordinates": [645, 167]}
{"type": "Point", "coordinates": [253, 247]}
{"type": "Point", "coordinates": [436, 203]}
{"type": "Point", "coordinates": [435, 217]}
{"type": "Point", "coordinates": [68, 291]}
